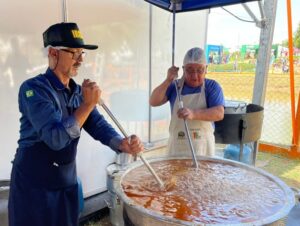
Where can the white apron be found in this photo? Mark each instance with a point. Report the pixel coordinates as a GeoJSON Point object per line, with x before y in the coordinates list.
{"type": "Point", "coordinates": [201, 132]}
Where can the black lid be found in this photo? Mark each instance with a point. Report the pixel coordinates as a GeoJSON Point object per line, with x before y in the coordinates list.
{"type": "Point", "coordinates": [65, 34]}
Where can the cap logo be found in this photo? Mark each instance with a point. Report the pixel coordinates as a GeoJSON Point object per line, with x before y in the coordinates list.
{"type": "Point", "coordinates": [76, 34]}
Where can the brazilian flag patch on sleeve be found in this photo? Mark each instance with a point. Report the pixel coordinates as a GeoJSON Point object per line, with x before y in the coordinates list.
{"type": "Point", "coordinates": [29, 93]}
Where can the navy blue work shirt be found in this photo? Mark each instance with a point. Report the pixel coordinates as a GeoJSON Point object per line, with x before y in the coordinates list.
{"type": "Point", "coordinates": [42, 115]}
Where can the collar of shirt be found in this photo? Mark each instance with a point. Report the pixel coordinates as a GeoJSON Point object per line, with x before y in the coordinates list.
{"type": "Point", "coordinates": [190, 90]}
{"type": "Point", "coordinates": [74, 94]}
{"type": "Point", "coordinates": [57, 84]}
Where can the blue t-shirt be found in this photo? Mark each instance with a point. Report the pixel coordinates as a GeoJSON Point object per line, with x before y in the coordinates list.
{"type": "Point", "coordinates": [42, 119]}
{"type": "Point", "coordinates": [213, 93]}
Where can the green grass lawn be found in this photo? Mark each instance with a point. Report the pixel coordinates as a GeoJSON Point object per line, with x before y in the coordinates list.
{"type": "Point", "coordinates": [288, 170]}
{"type": "Point", "coordinates": [230, 67]}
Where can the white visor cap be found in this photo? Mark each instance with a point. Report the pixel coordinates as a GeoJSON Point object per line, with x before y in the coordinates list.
{"type": "Point", "coordinates": [194, 56]}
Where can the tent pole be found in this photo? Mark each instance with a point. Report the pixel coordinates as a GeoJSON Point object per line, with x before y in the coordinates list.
{"type": "Point", "coordinates": [291, 70]}
{"type": "Point", "coordinates": [263, 58]}
{"type": "Point", "coordinates": [150, 75]}
{"type": "Point", "coordinates": [173, 34]}
{"type": "Point", "coordinates": [257, 22]}
{"type": "Point", "coordinates": [65, 10]}
{"type": "Point", "coordinates": [261, 10]}
{"type": "Point", "coordinates": [180, 102]}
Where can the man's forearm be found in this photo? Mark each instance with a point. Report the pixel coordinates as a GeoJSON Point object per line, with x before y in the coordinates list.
{"type": "Point", "coordinates": [210, 114]}
{"type": "Point", "coordinates": [158, 96]}
{"type": "Point", "coordinates": [82, 113]}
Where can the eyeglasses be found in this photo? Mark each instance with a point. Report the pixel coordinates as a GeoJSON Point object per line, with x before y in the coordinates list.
{"type": "Point", "coordinates": [75, 55]}
{"type": "Point", "coordinates": [197, 71]}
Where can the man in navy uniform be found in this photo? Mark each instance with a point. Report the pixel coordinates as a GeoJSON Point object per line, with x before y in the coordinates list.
{"type": "Point", "coordinates": [44, 189]}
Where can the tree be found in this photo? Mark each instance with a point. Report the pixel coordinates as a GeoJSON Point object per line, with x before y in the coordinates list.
{"type": "Point", "coordinates": [297, 37]}
{"type": "Point", "coordinates": [285, 43]}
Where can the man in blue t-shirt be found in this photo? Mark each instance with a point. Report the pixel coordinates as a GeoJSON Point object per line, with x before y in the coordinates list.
{"type": "Point", "coordinates": [202, 104]}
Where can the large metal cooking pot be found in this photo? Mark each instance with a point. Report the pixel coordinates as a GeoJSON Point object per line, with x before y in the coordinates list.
{"type": "Point", "coordinates": [240, 127]}
{"type": "Point", "coordinates": [235, 107]}
{"type": "Point", "coordinates": [141, 216]}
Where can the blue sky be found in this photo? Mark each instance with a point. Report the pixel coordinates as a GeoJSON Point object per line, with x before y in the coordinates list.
{"type": "Point", "coordinates": [226, 30]}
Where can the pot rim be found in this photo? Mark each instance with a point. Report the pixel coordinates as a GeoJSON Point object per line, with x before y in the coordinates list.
{"type": "Point", "coordinates": [288, 205]}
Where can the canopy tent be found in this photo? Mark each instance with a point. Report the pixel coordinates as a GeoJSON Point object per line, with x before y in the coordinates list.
{"type": "Point", "coordinates": [190, 5]}
{"type": "Point", "coordinates": [176, 6]}
{"type": "Point", "coordinates": [267, 11]}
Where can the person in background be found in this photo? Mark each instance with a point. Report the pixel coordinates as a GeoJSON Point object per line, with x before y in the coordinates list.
{"type": "Point", "coordinates": [54, 109]}
{"type": "Point", "coordinates": [203, 103]}
{"type": "Point", "coordinates": [210, 58]}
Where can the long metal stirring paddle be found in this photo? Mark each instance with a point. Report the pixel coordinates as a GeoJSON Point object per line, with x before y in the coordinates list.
{"type": "Point", "coordinates": [180, 102]}
{"type": "Point", "coordinates": [159, 181]}
{"type": "Point", "coordinates": [174, 2]}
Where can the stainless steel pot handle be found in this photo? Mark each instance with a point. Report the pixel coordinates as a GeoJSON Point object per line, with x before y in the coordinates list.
{"type": "Point", "coordinates": [108, 204]}
{"type": "Point", "coordinates": [297, 193]}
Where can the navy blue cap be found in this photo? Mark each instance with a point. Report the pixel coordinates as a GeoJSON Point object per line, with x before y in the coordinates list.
{"type": "Point", "coordinates": [66, 35]}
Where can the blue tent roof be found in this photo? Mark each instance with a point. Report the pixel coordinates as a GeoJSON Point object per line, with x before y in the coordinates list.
{"type": "Point", "coordinates": [190, 5]}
